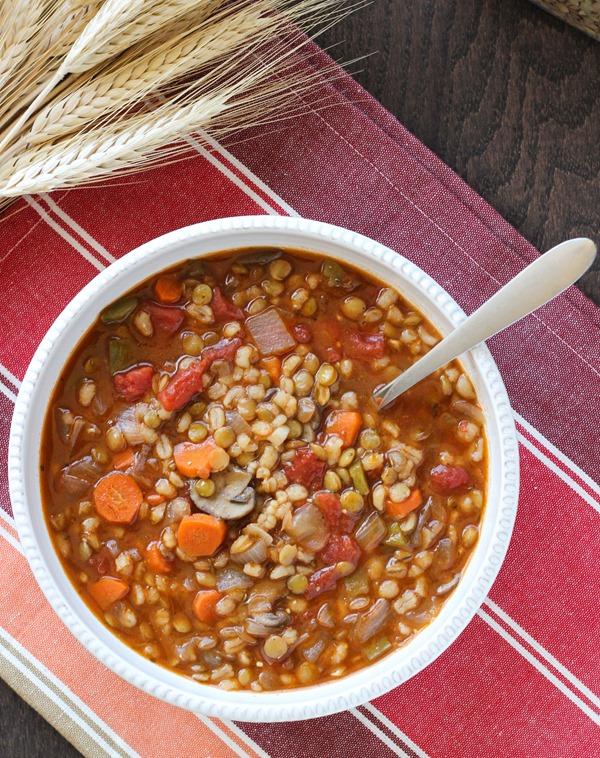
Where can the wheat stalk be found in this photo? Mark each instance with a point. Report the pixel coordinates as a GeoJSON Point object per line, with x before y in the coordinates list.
{"type": "Point", "coordinates": [130, 82]}
{"type": "Point", "coordinates": [60, 25]}
{"type": "Point", "coordinates": [221, 64]}
{"type": "Point", "coordinates": [117, 25]}
{"type": "Point", "coordinates": [18, 30]}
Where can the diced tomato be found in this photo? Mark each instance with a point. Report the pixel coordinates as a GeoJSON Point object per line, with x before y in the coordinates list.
{"type": "Point", "coordinates": [306, 469]}
{"type": "Point", "coordinates": [302, 333]}
{"type": "Point", "coordinates": [167, 320]}
{"type": "Point", "coordinates": [328, 340]}
{"type": "Point", "coordinates": [187, 382]}
{"type": "Point", "coordinates": [224, 350]}
{"type": "Point", "coordinates": [332, 354]}
{"type": "Point", "coordinates": [448, 478]}
{"type": "Point", "coordinates": [360, 345]}
{"type": "Point", "coordinates": [347, 522]}
{"type": "Point", "coordinates": [102, 561]}
{"type": "Point", "coordinates": [322, 581]}
{"type": "Point", "coordinates": [133, 384]}
{"type": "Point", "coordinates": [223, 309]}
{"type": "Point", "coordinates": [340, 547]}
{"type": "Point", "coordinates": [329, 504]}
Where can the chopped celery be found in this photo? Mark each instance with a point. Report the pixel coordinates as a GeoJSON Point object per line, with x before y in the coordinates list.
{"type": "Point", "coordinates": [396, 537]}
{"type": "Point", "coordinates": [357, 583]}
{"type": "Point", "coordinates": [119, 311]}
{"type": "Point", "coordinates": [118, 354]}
{"type": "Point", "coordinates": [357, 474]}
{"type": "Point", "coordinates": [374, 648]}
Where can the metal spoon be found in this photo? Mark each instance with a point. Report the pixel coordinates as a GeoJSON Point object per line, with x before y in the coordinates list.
{"type": "Point", "coordinates": [536, 285]}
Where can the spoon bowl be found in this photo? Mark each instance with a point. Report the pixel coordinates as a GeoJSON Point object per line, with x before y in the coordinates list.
{"type": "Point", "coordinates": [536, 285]}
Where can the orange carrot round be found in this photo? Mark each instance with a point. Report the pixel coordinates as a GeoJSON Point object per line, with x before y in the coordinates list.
{"type": "Point", "coordinates": [345, 425]}
{"type": "Point", "coordinates": [168, 289]}
{"type": "Point", "coordinates": [117, 498]}
{"type": "Point", "coordinates": [272, 366]}
{"type": "Point", "coordinates": [204, 605]}
{"type": "Point", "coordinates": [107, 590]}
{"type": "Point", "coordinates": [156, 561]}
{"type": "Point", "coordinates": [123, 460]}
{"type": "Point", "coordinates": [399, 510]}
{"type": "Point", "coordinates": [195, 459]}
{"type": "Point", "coordinates": [200, 534]}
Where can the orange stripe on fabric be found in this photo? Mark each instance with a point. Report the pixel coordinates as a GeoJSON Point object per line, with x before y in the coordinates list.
{"type": "Point", "coordinates": [147, 724]}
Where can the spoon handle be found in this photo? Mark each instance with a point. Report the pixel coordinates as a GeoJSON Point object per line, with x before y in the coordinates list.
{"type": "Point", "coordinates": [540, 282]}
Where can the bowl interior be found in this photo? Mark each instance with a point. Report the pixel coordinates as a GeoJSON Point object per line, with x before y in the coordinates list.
{"type": "Point", "coordinates": [204, 239]}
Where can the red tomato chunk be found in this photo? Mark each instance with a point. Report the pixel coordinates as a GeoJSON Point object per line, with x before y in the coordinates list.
{"type": "Point", "coordinates": [133, 384]}
{"type": "Point", "coordinates": [167, 320]}
{"type": "Point", "coordinates": [222, 309]}
{"type": "Point", "coordinates": [187, 382]}
{"type": "Point", "coordinates": [340, 547]}
{"type": "Point", "coordinates": [323, 580]}
{"type": "Point", "coordinates": [448, 478]}
{"type": "Point", "coordinates": [306, 469]}
{"type": "Point", "coordinates": [365, 345]}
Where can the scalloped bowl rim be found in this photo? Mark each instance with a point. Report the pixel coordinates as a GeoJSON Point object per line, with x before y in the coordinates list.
{"type": "Point", "coordinates": [306, 702]}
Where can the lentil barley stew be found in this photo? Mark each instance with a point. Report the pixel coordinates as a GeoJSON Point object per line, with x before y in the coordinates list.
{"type": "Point", "coordinates": [225, 494]}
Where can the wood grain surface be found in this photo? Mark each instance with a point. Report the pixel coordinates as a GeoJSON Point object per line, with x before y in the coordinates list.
{"type": "Point", "coordinates": [506, 95]}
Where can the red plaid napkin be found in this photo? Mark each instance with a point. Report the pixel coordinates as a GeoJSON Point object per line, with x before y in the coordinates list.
{"type": "Point", "coordinates": [520, 680]}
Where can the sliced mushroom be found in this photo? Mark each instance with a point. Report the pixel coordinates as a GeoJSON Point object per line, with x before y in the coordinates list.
{"type": "Point", "coordinates": [232, 499]}
{"type": "Point", "coordinates": [264, 624]}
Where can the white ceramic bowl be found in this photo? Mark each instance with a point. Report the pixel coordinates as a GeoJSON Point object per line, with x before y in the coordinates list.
{"type": "Point", "coordinates": [60, 341]}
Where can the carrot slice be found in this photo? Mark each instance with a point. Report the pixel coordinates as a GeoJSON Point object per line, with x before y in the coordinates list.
{"type": "Point", "coordinates": [195, 459]}
{"type": "Point", "coordinates": [204, 605]}
{"type": "Point", "coordinates": [107, 590]}
{"type": "Point", "coordinates": [345, 425]}
{"type": "Point", "coordinates": [168, 289]}
{"type": "Point", "coordinates": [117, 498]}
{"type": "Point", "coordinates": [200, 534]}
{"type": "Point", "coordinates": [399, 510]}
{"type": "Point", "coordinates": [155, 499]}
{"type": "Point", "coordinates": [156, 561]}
{"type": "Point", "coordinates": [123, 460]}
{"type": "Point", "coordinates": [272, 366]}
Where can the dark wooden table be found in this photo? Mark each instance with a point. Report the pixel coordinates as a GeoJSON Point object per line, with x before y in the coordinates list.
{"type": "Point", "coordinates": [504, 94]}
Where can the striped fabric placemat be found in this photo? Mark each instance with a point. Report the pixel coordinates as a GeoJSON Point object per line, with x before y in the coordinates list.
{"type": "Point", "coordinates": [521, 680]}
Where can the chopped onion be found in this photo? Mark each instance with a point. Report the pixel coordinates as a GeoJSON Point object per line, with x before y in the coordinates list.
{"type": "Point", "coordinates": [130, 426]}
{"type": "Point", "coordinates": [69, 427]}
{"type": "Point", "coordinates": [372, 621]}
{"type": "Point", "coordinates": [316, 645]}
{"type": "Point", "coordinates": [232, 578]}
{"type": "Point", "coordinates": [269, 332]}
{"type": "Point", "coordinates": [237, 423]}
{"type": "Point", "coordinates": [256, 553]}
{"type": "Point", "coordinates": [78, 477]}
{"type": "Point", "coordinates": [371, 532]}
{"type": "Point", "coordinates": [309, 528]}
{"type": "Point", "coordinates": [177, 509]}
{"type": "Point", "coordinates": [464, 408]}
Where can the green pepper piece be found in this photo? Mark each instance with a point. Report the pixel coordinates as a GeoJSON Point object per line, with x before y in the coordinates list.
{"type": "Point", "coordinates": [334, 273]}
{"type": "Point", "coordinates": [357, 474]}
{"type": "Point", "coordinates": [357, 583]}
{"type": "Point", "coordinates": [259, 257]}
{"type": "Point", "coordinates": [119, 354]}
{"type": "Point", "coordinates": [119, 311]}
{"type": "Point", "coordinates": [374, 648]}
{"type": "Point", "coordinates": [396, 537]}
{"type": "Point", "coordinates": [196, 269]}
